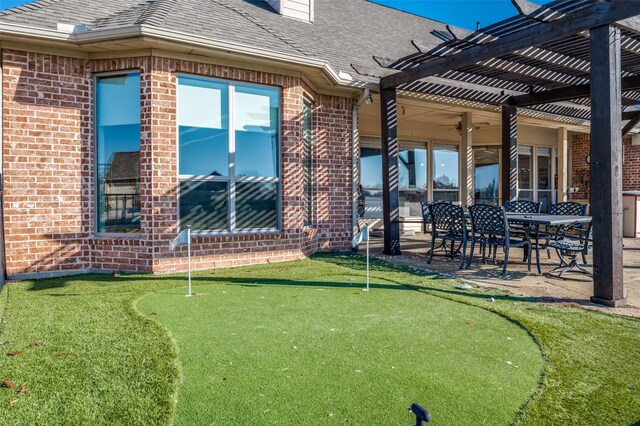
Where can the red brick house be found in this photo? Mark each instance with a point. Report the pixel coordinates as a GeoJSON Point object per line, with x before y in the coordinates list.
{"type": "Point", "coordinates": [123, 121]}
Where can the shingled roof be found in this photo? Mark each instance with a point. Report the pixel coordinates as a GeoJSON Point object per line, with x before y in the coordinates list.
{"type": "Point", "coordinates": [343, 31]}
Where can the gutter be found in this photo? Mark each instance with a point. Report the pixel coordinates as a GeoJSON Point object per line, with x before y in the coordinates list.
{"type": "Point", "coordinates": [355, 145]}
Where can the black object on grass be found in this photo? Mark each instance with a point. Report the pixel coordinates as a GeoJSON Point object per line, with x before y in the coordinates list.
{"type": "Point", "coordinates": [422, 415]}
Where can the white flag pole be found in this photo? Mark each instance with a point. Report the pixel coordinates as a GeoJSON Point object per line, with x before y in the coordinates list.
{"type": "Point", "coordinates": [189, 257]}
{"type": "Point", "coordinates": [367, 264]}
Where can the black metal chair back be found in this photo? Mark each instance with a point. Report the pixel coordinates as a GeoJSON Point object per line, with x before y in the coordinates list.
{"type": "Point", "coordinates": [569, 208]}
{"type": "Point", "coordinates": [448, 223]}
{"type": "Point", "coordinates": [488, 220]}
{"type": "Point", "coordinates": [489, 227]}
{"type": "Point", "coordinates": [426, 214]}
{"type": "Point", "coordinates": [447, 218]}
{"type": "Point", "coordinates": [522, 206]}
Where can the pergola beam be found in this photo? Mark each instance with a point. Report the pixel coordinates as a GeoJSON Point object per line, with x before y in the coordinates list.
{"type": "Point", "coordinates": [630, 115]}
{"type": "Point", "coordinates": [630, 125]}
{"type": "Point", "coordinates": [567, 93]}
{"type": "Point", "coordinates": [502, 64]}
{"type": "Point", "coordinates": [591, 16]}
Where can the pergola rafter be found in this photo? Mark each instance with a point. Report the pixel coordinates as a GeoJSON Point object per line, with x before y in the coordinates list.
{"type": "Point", "coordinates": [571, 58]}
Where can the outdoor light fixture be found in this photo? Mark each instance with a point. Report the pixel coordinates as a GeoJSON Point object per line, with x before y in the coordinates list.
{"type": "Point", "coordinates": [422, 415]}
{"type": "Point", "coordinates": [368, 100]}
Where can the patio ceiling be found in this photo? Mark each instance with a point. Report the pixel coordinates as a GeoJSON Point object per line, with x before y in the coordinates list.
{"type": "Point", "coordinates": [573, 58]}
{"type": "Point", "coordinates": [539, 60]}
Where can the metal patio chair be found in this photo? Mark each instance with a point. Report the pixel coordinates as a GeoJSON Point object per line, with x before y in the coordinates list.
{"type": "Point", "coordinates": [570, 245]}
{"type": "Point", "coordinates": [489, 227]}
{"type": "Point", "coordinates": [522, 206]}
{"type": "Point", "coordinates": [448, 224]}
{"type": "Point", "coordinates": [426, 216]}
{"type": "Point", "coordinates": [566, 208]}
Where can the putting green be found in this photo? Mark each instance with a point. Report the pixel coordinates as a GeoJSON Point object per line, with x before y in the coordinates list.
{"type": "Point", "coordinates": [324, 352]}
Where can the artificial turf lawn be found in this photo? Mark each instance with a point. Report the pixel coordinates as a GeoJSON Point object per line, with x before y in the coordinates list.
{"type": "Point", "coordinates": [103, 362]}
{"type": "Point", "coordinates": [322, 351]}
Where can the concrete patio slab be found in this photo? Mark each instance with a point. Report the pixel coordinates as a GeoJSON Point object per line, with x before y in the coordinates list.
{"type": "Point", "coordinates": [576, 288]}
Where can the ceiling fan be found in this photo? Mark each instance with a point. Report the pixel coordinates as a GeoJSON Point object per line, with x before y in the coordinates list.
{"type": "Point", "coordinates": [458, 127]}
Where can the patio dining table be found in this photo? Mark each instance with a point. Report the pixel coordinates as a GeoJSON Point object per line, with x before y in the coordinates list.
{"type": "Point", "coordinates": [538, 219]}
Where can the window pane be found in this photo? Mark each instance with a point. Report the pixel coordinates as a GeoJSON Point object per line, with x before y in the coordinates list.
{"type": "Point", "coordinates": [445, 195]}
{"type": "Point", "coordinates": [544, 168]}
{"type": "Point", "coordinates": [203, 205]}
{"type": "Point", "coordinates": [203, 127]}
{"type": "Point", "coordinates": [256, 205]}
{"type": "Point", "coordinates": [413, 168]}
{"type": "Point", "coordinates": [118, 153]}
{"type": "Point", "coordinates": [307, 138]}
{"type": "Point", "coordinates": [525, 164]}
{"type": "Point", "coordinates": [256, 112]}
{"type": "Point", "coordinates": [445, 160]}
{"type": "Point", "coordinates": [410, 202]}
{"type": "Point", "coordinates": [486, 174]}
{"type": "Point", "coordinates": [371, 168]}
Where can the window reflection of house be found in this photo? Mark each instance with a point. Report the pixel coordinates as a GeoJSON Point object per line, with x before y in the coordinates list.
{"type": "Point", "coordinates": [122, 191]}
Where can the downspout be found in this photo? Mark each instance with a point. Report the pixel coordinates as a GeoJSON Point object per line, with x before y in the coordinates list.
{"type": "Point", "coordinates": [355, 145]}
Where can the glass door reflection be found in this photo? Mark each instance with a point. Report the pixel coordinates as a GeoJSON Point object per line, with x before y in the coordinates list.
{"type": "Point", "coordinates": [486, 175]}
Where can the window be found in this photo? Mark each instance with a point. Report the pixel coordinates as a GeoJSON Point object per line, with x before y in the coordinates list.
{"type": "Point", "coordinates": [544, 177]}
{"type": "Point", "coordinates": [118, 153]}
{"type": "Point", "coordinates": [229, 155]}
{"type": "Point", "coordinates": [445, 172]}
{"type": "Point", "coordinates": [525, 168]}
{"type": "Point", "coordinates": [486, 174]}
{"type": "Point", "coordinates": [412, 176]}
{"type": "Point", "coordinates": [307, 139]}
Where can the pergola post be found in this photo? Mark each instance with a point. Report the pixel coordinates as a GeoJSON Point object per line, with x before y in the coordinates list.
{"type": "Point", "coordinates": [390, 183]}
{"type": "Point", "coordinates": [563, 165]}
{"type": "Point", "coordinates": [466, 157]}
{"type": "Point", "coordinates": [606, 166]}
{"type": "Point", "coordinates": [509, 153]}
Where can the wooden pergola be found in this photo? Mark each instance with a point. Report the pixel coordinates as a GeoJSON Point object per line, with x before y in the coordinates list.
{"type": "Point", "coordinates": [574, 58]}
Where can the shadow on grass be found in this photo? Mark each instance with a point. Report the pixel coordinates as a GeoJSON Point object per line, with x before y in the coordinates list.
{"type": "Point", "coordinates": [350, 262]}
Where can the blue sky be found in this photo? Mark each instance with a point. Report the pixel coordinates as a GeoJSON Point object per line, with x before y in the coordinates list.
{"type": "Point", "coordinates": [461, 13]}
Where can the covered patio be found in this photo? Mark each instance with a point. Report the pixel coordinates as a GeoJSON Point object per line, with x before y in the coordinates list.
{"type": "Point", "coordinates": [577, 59]}
{"type": "Point", "coordinates": [576, 289]}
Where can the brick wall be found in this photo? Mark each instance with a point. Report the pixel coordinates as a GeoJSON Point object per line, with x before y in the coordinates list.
{"type": "Point", "coordinates": [580, 171]}
{"type": "Point", "coordinates": [48, 164]}
{"type": "Point", "coordinates": [45, 111]}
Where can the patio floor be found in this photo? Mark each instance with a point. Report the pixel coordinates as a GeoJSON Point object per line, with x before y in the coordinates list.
{"type": "Point", "coordinates": [576, 288]}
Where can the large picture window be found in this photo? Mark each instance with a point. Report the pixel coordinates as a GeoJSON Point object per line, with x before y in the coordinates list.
{"type": "Point", "coordinates": [229, 167]}
{"type": "Point", "coordinates": [118, 153]}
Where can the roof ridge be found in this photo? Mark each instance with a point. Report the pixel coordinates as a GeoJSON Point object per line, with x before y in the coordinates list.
{"type": "Point", "coordinates": [156, 13]}
{"type": "Point", "coordinates": [251, 18]}
{"type": "Point", "coordinates": [28, 7]}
